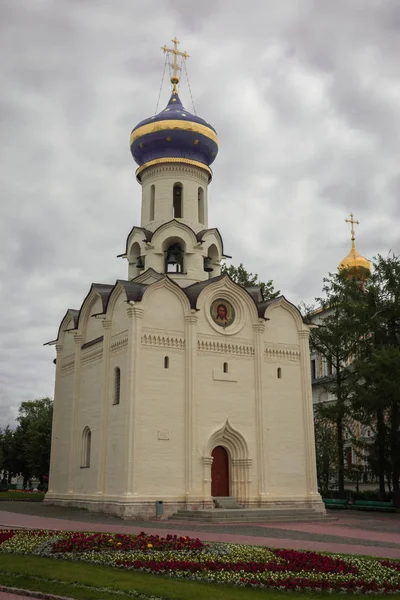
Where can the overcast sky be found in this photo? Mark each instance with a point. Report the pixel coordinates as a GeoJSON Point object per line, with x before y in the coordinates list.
{"type": "Point", "coordinates": [304, 95]}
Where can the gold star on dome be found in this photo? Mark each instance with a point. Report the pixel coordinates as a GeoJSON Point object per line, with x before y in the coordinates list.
{"type": "Point", "coordinates": [168, 139]}
{"type": "Point", "coordinates": [196, 142]}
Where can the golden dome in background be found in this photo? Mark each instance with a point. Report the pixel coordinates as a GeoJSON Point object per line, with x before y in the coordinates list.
{"type": "Point", "coordinates": [356, 264]}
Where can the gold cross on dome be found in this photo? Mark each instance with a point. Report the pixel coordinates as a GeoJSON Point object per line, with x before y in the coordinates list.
{"type": "Point", "coordinates": [353, 222]}
{"type": "Point", "coordinates": [174, 65]}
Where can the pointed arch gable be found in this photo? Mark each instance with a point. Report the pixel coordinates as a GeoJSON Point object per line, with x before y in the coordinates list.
{"type": "Point", "coordinates": [211, 236]}
{"type": "Point", "coordinates": [230, 438]}
{"type": "Point", "coordinates": [178, 229]}
{"type": "Point", "coordinates": [281, 302]}
{"type": "Point", "coordinates": [69, 322]}
{"type": "Point", "coordinates": [132, 290]}
{"type": "Point", "coordinates": [85, 310]}
{"type": "Point", "coordinates": [227, 286]}
{"type": "Point", "coordinates": [142, 235]}
{"type": "Point", "coordinates": [169, 284]}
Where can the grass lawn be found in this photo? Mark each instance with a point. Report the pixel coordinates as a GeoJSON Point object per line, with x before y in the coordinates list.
{"type": "Point", "coordinates": [58, 577]}
{"type": "Point", "coordinates": [27, 496]}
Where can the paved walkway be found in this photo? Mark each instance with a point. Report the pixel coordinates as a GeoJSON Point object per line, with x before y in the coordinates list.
{"type": "Point", "coordinates": [373, 534]}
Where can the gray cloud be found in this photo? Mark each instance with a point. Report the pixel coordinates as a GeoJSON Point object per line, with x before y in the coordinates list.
{"type": "Point", "coordinates": [304, 96]}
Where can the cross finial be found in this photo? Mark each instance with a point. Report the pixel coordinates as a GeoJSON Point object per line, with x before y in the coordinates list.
{"type": "Point", "coordinates": [353, 222]}
{"type": "Point", "coordinates": [174, 65]}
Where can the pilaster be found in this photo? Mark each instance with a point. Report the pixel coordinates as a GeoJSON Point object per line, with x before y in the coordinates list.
{"type": "Point", "coordinates": [207, 464]}
{"type": "Point", "coordinates": [308, 417]}
{"type": "Point", "coordinates": [76, 434]}
{"type": "Point", "coordinates": [190, 366]}
{"type": "Point", "coordinates": [259, 329]}
{"type": "Point", "coordinates": [59, 348]}
{"type": "Point", "coordinates": [104, 410]}
{"type": "Point", "coordinates": [135, 315]}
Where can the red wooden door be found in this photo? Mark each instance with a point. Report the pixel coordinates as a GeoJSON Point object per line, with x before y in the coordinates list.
{"type": "Point", "coordinates": [220, 472]}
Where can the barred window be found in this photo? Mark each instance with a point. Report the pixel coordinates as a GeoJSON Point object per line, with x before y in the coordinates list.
{"type": "Point", "coordinates": [117, 385]}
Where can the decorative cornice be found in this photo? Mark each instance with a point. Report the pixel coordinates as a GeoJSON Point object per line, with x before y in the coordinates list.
{"type": "Point", "coordinates": [90, 357]}
{"type": "Point", "coordinates": [119, 342]}
{"type": "Point", "coordinates": [186, 161]}
{"type": "Point", "coordinates": [259, 327]}
{"type": "Point", "coordinates": [304, 334]}
{"type": "Point", "coordinates": [282, 352]}
{"type": "Point", "coordinates": [78, 339]}
{"type": "Point", "coordinates": [163, 341]}
{"type": "Point", "coordinates": [191, 319]}
{"type": "Point", "coordinates": [219, 347]}
{"type": "Point", "coordinates": [161, 169]}
{"type": "Point", "coordinates": [67, 365]}
{"type": "Point", "coordinates": [107, 323]}
{"type": "Point", "coordinates": [59, 348]}
{"type": "Point", "coordinates": [135, 311]}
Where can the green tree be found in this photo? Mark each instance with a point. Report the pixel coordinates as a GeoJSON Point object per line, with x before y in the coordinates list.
{"type": "Point", "coordinates": [376, 398]}
{"type": "Point", "coordinates": [242, 277]}
{"type": "Point", "coordinates": [33, 436]}
{"type": "Point", "coordinates": [326, 451]}
{"type": "Point", "coordinates": [340, 328]}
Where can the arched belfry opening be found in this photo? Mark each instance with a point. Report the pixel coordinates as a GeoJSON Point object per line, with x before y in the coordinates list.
{"type": "Point", "coordinates": [177, 203]}
{"type": "Point", "coordinates": [136, 261]}
{"type": "Point", "coordinates": [174, 258]}
{"type": "Point", "coordinates": [212, 261]}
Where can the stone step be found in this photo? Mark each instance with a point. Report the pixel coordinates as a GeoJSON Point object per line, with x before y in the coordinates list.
{"type": "Point", "coordinates": [226, 502]}
{"type": "Point", "coordinates": [247, 515]}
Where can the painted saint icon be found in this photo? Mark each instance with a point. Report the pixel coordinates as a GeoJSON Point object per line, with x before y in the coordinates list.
{"type": "Point", "coordinates": [222, 312]}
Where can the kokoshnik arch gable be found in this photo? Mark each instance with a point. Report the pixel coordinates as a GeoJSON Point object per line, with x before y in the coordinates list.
{"type": "Point", "coordinates": [177, 384]}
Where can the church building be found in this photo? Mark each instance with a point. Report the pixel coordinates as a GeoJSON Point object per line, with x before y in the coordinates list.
{"type": "Point", "coordinates": [176, 384]}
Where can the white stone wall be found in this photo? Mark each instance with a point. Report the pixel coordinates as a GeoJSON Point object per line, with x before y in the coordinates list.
{"type": "Point", "coordinates": [163, 177]}
{"type": "Point", "coordinates": [157, 443]}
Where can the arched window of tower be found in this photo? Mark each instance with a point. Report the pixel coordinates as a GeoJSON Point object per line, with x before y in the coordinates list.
{"type": "Point", "coordinates": [136, 262]}
{"type": "Point", "coordinates": [212, 261]}
{"type": "Point", "coordinates": [152, 202]}
{"type": "Point", "coordinates": [174, 258]}
{"type": "Point", "coordinates": [177, 206]}
{"type": "Point", "coordinates": [200, 201]}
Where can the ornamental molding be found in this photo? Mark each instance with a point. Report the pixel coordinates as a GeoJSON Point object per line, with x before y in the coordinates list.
{"type": "Point", "coordinates": [281, 352]}
{"type": "Point", "coordinates": [153, 172]}
{"type": "Point", "coordinates": [68, 364]}
{"type": "Point", "coordinates": [119, 342]}
{"type": "Point", "coordinates": [135, 312]}
{"type": "Point", "coordinates": [158, 341]}
{"type": "Point", "coordinates": [159, 331]}
{"type": "Point", "coordinates": [217, 346]}
{"type": "Point", "coordinates": [89, 357]}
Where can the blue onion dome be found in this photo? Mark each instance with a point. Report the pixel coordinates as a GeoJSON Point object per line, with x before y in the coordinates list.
{"type": "Point", "coordinates": [174, 135]}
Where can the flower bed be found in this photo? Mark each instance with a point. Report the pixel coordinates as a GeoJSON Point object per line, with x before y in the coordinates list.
{"type": "Point", "coordinates": [234, 564]}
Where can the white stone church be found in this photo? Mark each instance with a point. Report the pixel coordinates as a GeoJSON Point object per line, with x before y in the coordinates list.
{"type": "Point", "coordinates": [177, 384]}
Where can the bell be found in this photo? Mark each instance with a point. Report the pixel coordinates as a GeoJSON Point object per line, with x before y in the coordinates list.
{"type": "Point", "coordinates": [173, 257]}
{"type": "Point", "coordinates": [139, 263]}
{"type": "Point", "coordinates": [208, 264]}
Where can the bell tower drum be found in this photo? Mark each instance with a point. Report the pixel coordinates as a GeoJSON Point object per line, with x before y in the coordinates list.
{"type": "Point", "coordinates": [174, 150]}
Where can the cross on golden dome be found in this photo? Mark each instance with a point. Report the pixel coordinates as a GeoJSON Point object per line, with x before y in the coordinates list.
{"type": "Point", "coordinates": [353, 222]}
{"type": "Point", "coordinates": [354, 263]}
{"type": "Point", "coordinates": [174, 65]}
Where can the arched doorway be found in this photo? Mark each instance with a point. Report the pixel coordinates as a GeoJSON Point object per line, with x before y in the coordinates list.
{"type": "Point", "coordinates": [220, 472]}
